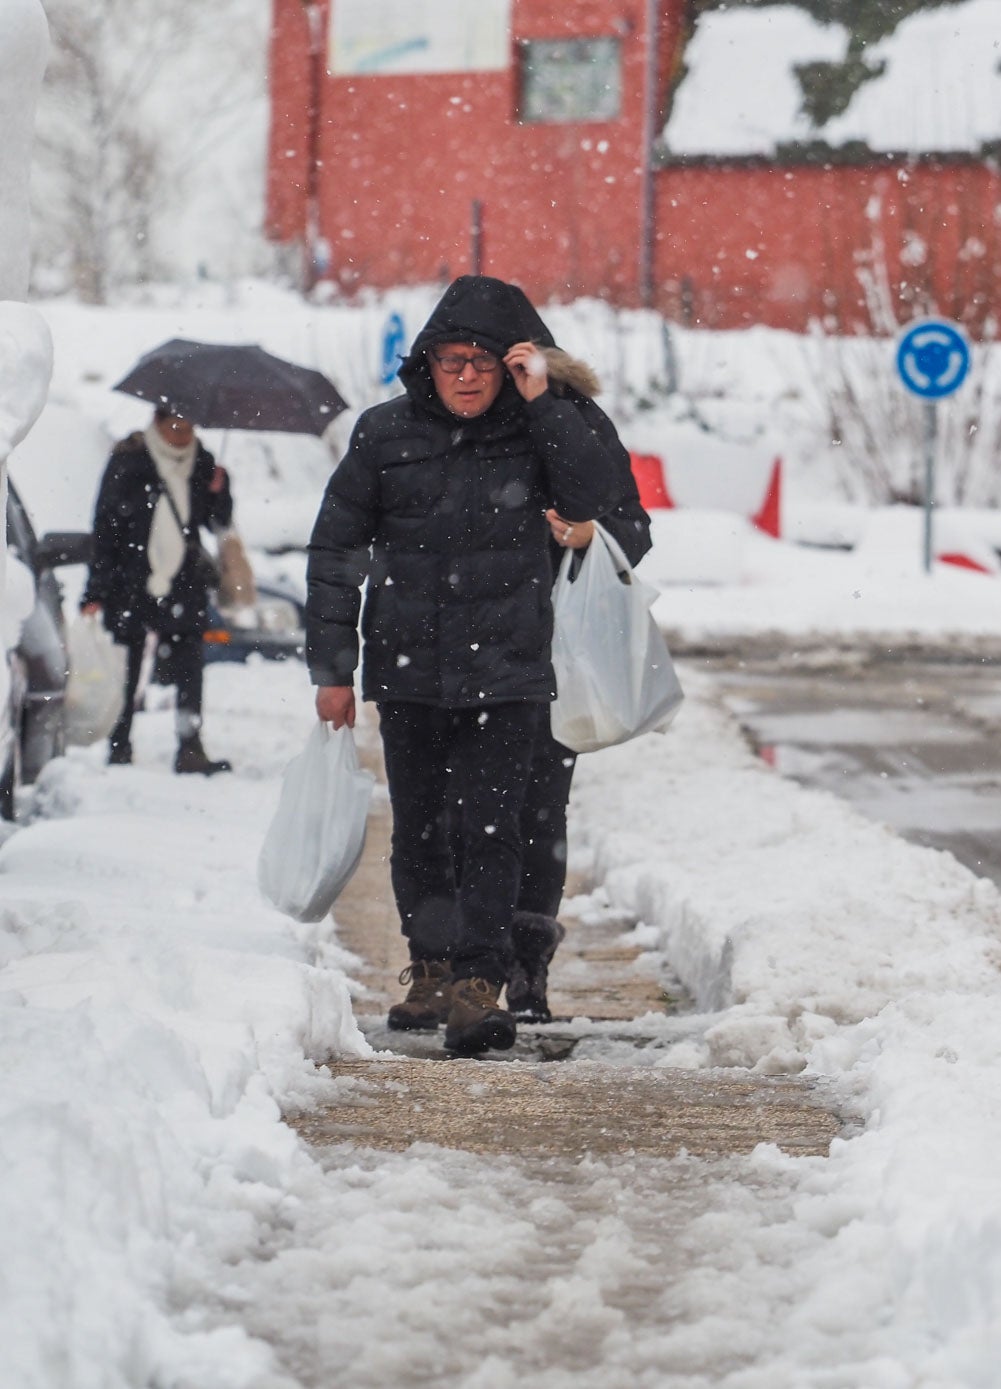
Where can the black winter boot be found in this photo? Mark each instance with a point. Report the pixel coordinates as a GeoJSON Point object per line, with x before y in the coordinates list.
{"type": "Point", "coordinates": [192, 757]}
{"type": "Point", "coordinates": [535, 940]}
{"type": "Point", "coordinates": [428, 999]}
{"type": "Point", "coordinates": [476, 1021]}
{"type": "Point", "coordinates": [119, 753]}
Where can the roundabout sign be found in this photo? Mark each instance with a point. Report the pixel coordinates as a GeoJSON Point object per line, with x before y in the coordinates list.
{"type": "Point", "coordinates": [933, 361]}
{"type": "Point", "coordinates": [933, 358]}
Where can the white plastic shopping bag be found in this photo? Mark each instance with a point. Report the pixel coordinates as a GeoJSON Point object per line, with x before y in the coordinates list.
{"type": "Point", "coordinates": [614, 675]}
{"type": "Point", "coordinates": [316, 838]}
{"type": "Point", "coordinates": [95, 690]}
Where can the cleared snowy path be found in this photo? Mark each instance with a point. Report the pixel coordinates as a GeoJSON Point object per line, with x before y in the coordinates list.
{"type": "Point", "coordinates": [530, 1219]}
{"type": "Point", "coordinates": [616, 1012]}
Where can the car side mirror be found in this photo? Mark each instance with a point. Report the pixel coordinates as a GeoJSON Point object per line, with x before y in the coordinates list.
{"type": "Point", "coordinates": [63, 547]}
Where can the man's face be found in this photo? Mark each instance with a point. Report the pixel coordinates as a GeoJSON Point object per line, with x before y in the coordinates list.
{"type": "Point", "coordinates": [471, 391]}
{"type": "Point", "coordinates": [176, 430]}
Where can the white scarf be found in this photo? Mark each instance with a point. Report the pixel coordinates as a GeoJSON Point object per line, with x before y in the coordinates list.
{"type": "Point", "coordinates": [166, 546]}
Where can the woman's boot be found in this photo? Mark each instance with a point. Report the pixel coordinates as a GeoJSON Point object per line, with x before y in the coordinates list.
{"type": "Point", "coordinates": [192, 757]}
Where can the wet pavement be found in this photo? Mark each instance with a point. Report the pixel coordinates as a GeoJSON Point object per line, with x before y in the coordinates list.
{"type": "Point", "coordinates": [570, 1111]}
{"type": "Point", "coordinates": [915, 745]}
{"type": "Point", "coordinates": [616, 1015]}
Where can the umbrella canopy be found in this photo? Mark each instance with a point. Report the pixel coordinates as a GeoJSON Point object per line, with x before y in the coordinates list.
{"type": "Point", "coordinates": [234, 387]}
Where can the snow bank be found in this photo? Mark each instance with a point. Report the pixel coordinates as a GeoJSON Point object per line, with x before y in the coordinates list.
{"type": "Point", "coordinates": [25, 368]}
{"type": "Point", "coordinates": [780, 905]}
{"type": "Point", "coordinates": [155, 1013]}
{"type": "Point", "coordinates": [814, 939]}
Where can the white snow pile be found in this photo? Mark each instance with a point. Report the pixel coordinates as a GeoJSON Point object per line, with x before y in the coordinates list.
{"type": "Point", "coordinates": [25, 367]}
{"type": "Point", "coordinates": [814, 938]}
{"type": "Point", "coordinates": [936, 85]}
{"type": "Point", "coordinates": [156, 1012]}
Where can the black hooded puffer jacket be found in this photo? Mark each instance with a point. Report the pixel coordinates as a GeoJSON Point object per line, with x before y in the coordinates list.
{"type": "Point", "coordinates": [444, 517]}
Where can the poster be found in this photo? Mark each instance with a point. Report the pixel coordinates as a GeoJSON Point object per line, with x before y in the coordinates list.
{"type": "Point", "coordinates": [381, 37]}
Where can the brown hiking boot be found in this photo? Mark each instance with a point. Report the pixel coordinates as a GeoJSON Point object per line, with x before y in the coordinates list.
{"type": "Point", "coordinates": [476, 1021]}
{"type": "Point", "coordinates": [429, 997]}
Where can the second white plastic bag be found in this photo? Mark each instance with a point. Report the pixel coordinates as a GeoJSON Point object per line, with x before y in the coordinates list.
{"type": "Point", "coordinates": [95, 690]}
{"type": "Point", "coordinates": [614, 675]}
{"type": "Point", "coordinates": [316, 838]}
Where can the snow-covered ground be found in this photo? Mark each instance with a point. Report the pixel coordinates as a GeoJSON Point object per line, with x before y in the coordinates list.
{"type": "Point", "coordinates": [157, 1213]}
{"type": "Point", "coordinates": [161, 1224]}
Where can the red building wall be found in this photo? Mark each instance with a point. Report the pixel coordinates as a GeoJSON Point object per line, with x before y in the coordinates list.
{"type": "Point", "coordinates": [739, 245]}
{"type": "Point", "coordinates": [392, 166]}
{"type": "Point", "coordinates": [403, 158]}
{"type": "Point", "coordinates": [289, 136]}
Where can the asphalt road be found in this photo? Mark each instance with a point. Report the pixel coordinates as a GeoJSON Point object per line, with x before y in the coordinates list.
{"type": "Point", "coordinates": [915, 745]}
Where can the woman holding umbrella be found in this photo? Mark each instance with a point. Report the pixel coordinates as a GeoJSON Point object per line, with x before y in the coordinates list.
{"type": "Point", "coordinates": [149, 572]}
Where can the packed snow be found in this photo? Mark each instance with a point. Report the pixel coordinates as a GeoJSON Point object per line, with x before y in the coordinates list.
{"type": "Point", "coordinates": [934, 85]}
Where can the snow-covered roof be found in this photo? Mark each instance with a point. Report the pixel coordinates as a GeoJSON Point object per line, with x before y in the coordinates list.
{"type": "Point", "coordinates": [937, 88]}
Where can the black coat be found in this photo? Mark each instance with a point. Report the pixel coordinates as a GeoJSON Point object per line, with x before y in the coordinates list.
{"type": "Point", "coordinates": [119, 568]}
{"type": "Point", "coordinates": [444, 518]}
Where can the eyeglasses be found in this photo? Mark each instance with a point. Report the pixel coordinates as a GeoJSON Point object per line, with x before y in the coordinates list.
{"type": "Point", "coordinates": [453, 362]}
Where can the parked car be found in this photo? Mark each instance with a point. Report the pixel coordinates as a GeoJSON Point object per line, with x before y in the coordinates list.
{"type": "Point", "coordinates": [274, 627]}
{"type": "Point", "coordinates": [32, 720]}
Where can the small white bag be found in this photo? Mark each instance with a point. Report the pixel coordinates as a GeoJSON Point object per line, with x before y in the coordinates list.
{"type": "Point", "coordinates": [316, 838]}
{"type": "Point", "coordinates": [95, 690]}
{"type": "Point", "coordinates": [614, 674]}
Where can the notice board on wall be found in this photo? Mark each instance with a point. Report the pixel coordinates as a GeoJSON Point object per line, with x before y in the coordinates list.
{"type": "Point", "coordinates": [380, 37]}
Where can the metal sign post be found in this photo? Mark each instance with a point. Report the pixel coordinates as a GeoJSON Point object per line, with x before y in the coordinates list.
{"type": "Point", "coordinates": [933, 359]}
{"type": "Point", "coordinates": [931, 450]}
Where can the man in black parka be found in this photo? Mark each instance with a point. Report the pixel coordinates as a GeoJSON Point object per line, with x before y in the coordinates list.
{"type": "Point", "coordinates": [440, 505]}
{"type": "Point", "coordinates": [148, 570]}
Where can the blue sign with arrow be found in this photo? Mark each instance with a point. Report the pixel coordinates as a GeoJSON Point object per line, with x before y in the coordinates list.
{"type": "Point", "coordinates": [393, 347]}
{"type": "Point", "coordinates": [933, 358]}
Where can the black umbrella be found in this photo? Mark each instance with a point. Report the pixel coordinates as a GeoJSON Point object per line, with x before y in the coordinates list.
{"type": "Point", "coordinates": [234, 387]}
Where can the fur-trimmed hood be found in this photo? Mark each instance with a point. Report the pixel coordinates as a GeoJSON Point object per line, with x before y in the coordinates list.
{"type": "Point", "coordinates": [495, 315]}
{"type": "Point", "coordinates": [565, 370]}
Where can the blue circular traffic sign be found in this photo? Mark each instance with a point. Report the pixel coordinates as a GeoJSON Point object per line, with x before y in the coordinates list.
{"type": "Point", "coordinates": [933, 358]}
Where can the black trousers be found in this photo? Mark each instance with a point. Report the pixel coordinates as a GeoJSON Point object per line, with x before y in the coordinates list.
{"type": "Point", "coordinates": [485, 754]}
{"type": "Point", "coordinates": [185, 656]}
{"type": "Point", "coordinates": [544, 824]}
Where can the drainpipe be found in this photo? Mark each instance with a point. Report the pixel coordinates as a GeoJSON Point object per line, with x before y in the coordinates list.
{"type": "Point", "coordinates": [311, 232]}
{"type": "Point", "coordinates": [651, 107]}
{"type": "Point", "coordinates": [476, 236]}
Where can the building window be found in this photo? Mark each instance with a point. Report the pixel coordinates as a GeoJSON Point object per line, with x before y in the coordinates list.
{"type": "Point", "coordinates": [571, 80]}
